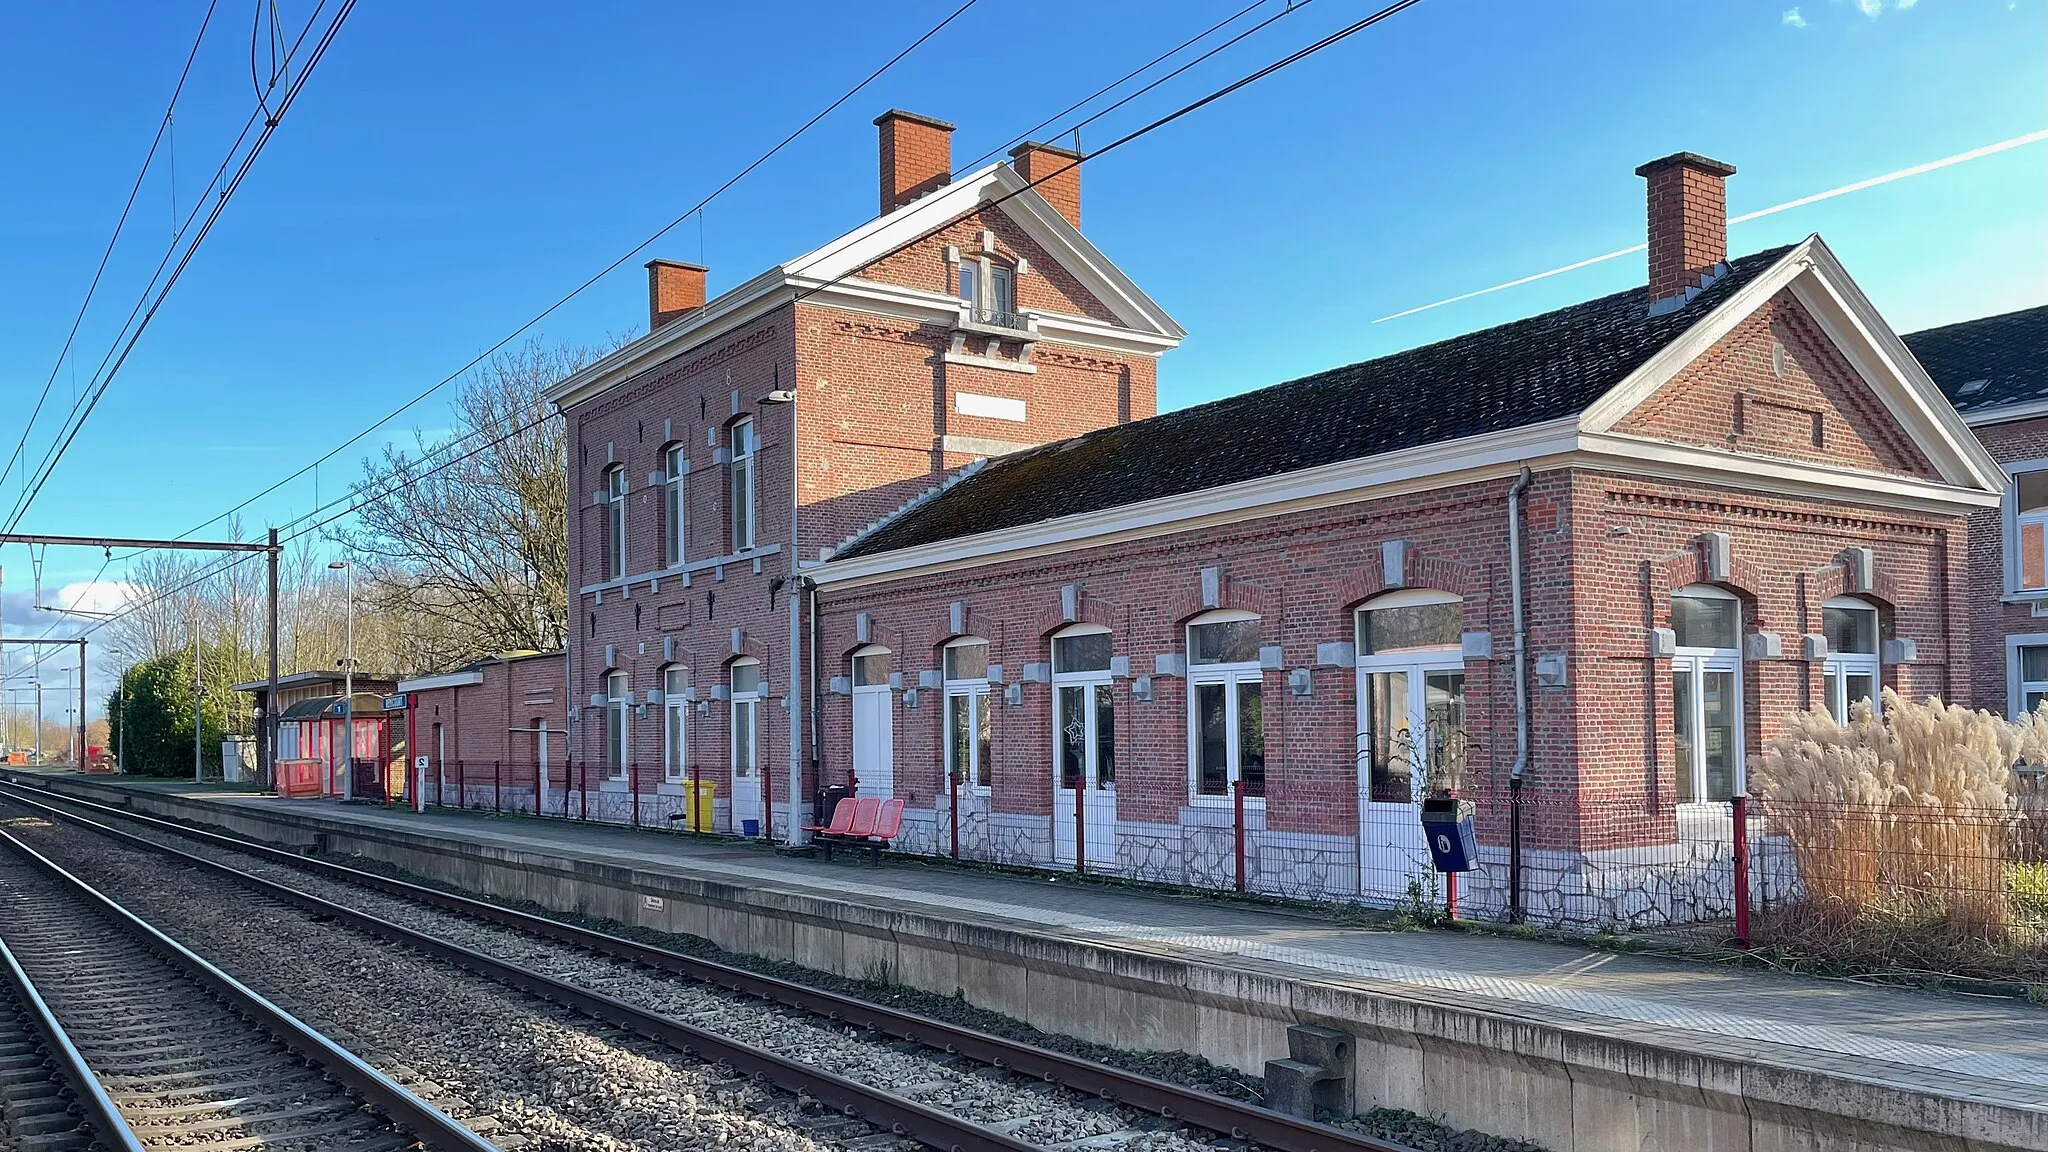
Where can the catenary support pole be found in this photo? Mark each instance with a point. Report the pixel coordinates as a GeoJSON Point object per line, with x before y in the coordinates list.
{"type": "Point", "coordinates": [84, 753]}
{"type": "Point", "coordinates": [268, 740]}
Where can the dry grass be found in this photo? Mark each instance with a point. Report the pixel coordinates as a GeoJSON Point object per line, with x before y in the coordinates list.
{"type": "Point", "coordinates": [1905, 828]}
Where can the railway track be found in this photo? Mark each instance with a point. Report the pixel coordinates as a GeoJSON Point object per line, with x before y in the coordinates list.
{"type": "Point", "coordinates": [163, 1050]}
{"type": "Point", "coordinates": [49, 1100]}
{"type": "Point", "coordinates": [640, 991]}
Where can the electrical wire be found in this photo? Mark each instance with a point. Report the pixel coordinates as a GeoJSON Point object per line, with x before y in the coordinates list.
{"type": "Point", "coordinates": [220, 205]}
{"type": "Point", "coordinates": [599, 275]}
{"type": "Point", "coordinates": [357, 499]}
{"type": "Point", "coordinates": [163, 126]}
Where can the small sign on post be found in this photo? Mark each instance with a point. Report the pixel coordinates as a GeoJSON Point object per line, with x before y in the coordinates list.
{"type": "Point", "coordinates": [394, 703]}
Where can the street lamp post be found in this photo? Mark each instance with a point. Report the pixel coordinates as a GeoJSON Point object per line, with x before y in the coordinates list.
{"type": "Point", "coordinates": [795, 696]}
{"type": "Point", "coordinates": [348, 686]}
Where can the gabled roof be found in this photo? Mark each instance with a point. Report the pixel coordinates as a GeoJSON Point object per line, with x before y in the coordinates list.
{"type": "Point", "coordinates": [1540, 391]}
{"type": "Point", "coordinates": [1990, 362]}
{"type": "Point", "coordinates": [1525, 372]}
{"type": "Point", "coordinates": [824, 275]}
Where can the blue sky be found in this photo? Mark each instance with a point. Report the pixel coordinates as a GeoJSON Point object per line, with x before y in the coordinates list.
{"type": "Point", "coordinates": [452, 169]}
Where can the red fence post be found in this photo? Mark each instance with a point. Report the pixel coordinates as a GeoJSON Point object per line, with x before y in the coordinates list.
{"type": "Point", "coordinates": [1237, 805]}
{"type": "Point", "coordinates": [696, 803]}
{"type": "Point", "coordinates": [461, 785]}
{"type": "Point", "coordinates": [583, 792]}
{"type": "Point", "coordinates": [953, 807]}
{"type": "Point", "coordinates": [633, 786]}
{"type": "Point", "coordinates": [497, 786]}
{"type": "Point", "coordinates": [1080, 825]}
{"type": "Point", "coordinates": [1739, 810]}
{"type": "Point", "coordinates": [1451, 882]}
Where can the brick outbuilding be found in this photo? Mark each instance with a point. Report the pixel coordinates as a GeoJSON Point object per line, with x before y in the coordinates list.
{"type": "Point", "coordinates": [1730, 496]}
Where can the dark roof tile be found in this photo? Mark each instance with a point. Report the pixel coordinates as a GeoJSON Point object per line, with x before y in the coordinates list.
{"type": "Point", "coordinates": [1527, 372]}
{"type": "Point", "coordinates": [2007, 353]}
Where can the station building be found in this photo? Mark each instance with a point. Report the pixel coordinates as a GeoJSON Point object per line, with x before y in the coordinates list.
{"type": "Point", "coordinates": [1594, 556]}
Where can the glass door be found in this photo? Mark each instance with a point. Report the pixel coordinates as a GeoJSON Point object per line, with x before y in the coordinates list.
{"type": "Point", "coordinates": [1084, 774]}
{"type": "Point", "coordinates": [1411, 725]}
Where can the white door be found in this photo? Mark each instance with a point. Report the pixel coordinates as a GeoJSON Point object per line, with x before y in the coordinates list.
{"type": "Point", "coordinates": [747, 801]}
{"type": "Point", "coordinates": [874, 746]}
{"type": "Point", "coordinates": [1084, 772]}
{"type": "Point", "coordinates": [1411, 727]}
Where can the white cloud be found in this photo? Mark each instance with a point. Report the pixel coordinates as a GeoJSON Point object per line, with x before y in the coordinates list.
{"type": "Point", "coordinates": [1793, 18]}
{"type": "Point", "coordinates": [1870, 8]}
{"type": "Point", "coordinates": [92, 596]}
{"type": "Point", "coordinates": [1902, 5]}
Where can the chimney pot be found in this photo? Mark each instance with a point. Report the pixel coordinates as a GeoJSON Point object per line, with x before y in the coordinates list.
{"type": "Point", "coordinates": [674, 289]}
{"type": "Point", "coordinates": [917, 156]}
{"type": "Point", "coordinates": [1688, 221]}
{"type": "Point", "coordinates": [1059, 168]}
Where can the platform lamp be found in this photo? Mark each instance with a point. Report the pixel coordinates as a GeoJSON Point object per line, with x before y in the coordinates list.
{"type": "Point", "coordinates": [348, 686]}
{"type": "Point", "coordinates": [781, 395]}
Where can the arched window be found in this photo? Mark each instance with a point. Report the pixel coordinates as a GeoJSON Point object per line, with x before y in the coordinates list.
{"type": "Point", "coordinates": [615, 521]}
{"type": "Point", "coordinates": [874, 723]}
{"type": "Point", "coordinates": [746, 705]}
{"type": "Point", "coordinates": [1851, 671]}
{"type": "Point", "coordinates": [1227, 705]}
{"type": "Point", "coordinates": [1706, 692]}
{"type": "Point", "coordinates": [675, 712]}
{"type": "Point", "coordinates": [675, 521]}
{"type": "Point", "coordinates": [968, 728]}
{"type": "Point", "coordinates": [745, 444]}
{"type": "Point", "coordinates": [1411, 696]}
{"type": "Point", "coordinates": [618, 697]}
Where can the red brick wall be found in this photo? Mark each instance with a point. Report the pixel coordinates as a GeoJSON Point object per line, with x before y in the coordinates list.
{"type": "Point", "coordinates": [1817, 411]}
{"type": "Point", "coordinates": [477, 719]}
{"type": "Point", "coordinates": [1992, 618]}
{"type": "Point", "coordinates": [1046, 287]}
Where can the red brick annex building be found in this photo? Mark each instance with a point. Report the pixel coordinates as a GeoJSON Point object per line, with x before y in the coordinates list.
{"type": "Point", "coordinates": [1596, 555]}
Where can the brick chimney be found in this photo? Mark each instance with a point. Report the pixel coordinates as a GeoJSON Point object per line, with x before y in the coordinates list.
{"type": "Point", "coordinates": [1688, 222]}
{"type": "Point", "coordinates": [1062, 188]}
{"type": "Point", "coordinates": [917, 156]}
{"type": "Point", "coordinates": [674, 289]}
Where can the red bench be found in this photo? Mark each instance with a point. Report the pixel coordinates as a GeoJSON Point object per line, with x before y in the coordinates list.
{"type": "Point", "coordinates": [871, 824]}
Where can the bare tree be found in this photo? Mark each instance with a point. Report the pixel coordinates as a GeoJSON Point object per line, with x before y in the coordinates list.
{"type": "Point", "coordinates": [465, 538]}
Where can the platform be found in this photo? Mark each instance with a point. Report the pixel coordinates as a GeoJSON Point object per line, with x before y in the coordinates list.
{"type": "Point", "coordinates": [1568, 1047]}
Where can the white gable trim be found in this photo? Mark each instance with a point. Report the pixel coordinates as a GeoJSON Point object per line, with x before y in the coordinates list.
{"type": "Point", "coordinates": [1146, 328]}
{"type": "Point", "coordinates": [1856, 330]}
{"type": "Point", "coordinates": [2006, 413]}
{"type": "Point", "coordinates": [1497, 455]}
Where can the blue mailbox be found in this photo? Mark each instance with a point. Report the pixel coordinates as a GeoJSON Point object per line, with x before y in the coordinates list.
{"type": "Point", "coordinates": [1447, 828]}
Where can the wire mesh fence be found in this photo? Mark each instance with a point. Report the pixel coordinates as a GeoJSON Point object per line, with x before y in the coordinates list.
{"type": "Point", "coordinates": [1886, 887]}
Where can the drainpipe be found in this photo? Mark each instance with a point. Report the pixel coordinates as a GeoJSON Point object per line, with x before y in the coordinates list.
{"type": "Point", "coordinates": [1521, 765]}
{"type": "Point", "coordinates": [817, 781]}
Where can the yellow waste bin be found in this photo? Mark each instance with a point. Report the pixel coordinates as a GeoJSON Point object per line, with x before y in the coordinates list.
{"type": "Point", "coordinates": [697, 806]}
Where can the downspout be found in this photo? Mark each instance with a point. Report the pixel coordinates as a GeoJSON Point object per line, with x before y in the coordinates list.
{"type": "Point", "coordinates": [1521, 765]}
{"type": "Point", "coordinates": [811, 587]}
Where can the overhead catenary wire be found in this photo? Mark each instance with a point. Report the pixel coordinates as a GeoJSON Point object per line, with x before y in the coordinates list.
{"type": "Point", "coordinates": [356, 500]}
{"type": "Point", "coordinates": [162, 128]}
{"type": "Point", "coordinates": [607, 270]}
{"type": "Point", "coordinates": [106, 377]}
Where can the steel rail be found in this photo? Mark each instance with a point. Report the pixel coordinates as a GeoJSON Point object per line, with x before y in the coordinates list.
{"type": "Point", "coordinates": [873, 1105]}
{"type": "Point", "coordinates": [99, 1108]}
{"type": "Point", "coordinates": [423, 1120]}
{"type": "Point", "coordinates": [1239, 1120]}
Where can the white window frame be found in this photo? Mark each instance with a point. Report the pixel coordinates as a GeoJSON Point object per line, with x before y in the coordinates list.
{"type": "Point", "coordinates": [1417, 664]}
{"type": "Point", "coordinates": [1699, 662]}
{"type": "Point", "coordinates": [618, 730]}
{"type": "Point", "coordinates": [615, 522]}
{"type": "Point", "coordinates": [2016, 688]}
{"type": "Point", "coordinates": [745, 521]}
{"type": "Point", "coordinates": [1002, 283]}
{"type": "Point", "coordinates": [2010, 520]}
{"type": "Point", "coordinates": [749, 705]}
{"type": "Point", "coordinates": [1088, 679]}
{"type": "Point", "coordinates": [675, 726]}
{"type": "Point", "coordinates": [972, 694]}
{"type": "Point", "coordinates": [967, 280]}
{"type": "Point", "coordinates": [675, 514]}
{"type": "Point", "coordinates": [1232, 677]}
{"type": "Point", "coordinates": [1839, 666]}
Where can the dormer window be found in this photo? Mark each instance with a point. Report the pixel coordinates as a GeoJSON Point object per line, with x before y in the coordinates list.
{"type": "Point", "coordinates": [988, 287]}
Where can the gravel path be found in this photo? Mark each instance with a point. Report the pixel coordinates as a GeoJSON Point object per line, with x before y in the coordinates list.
{"type": "Point", "coordinates": [523, 1073]}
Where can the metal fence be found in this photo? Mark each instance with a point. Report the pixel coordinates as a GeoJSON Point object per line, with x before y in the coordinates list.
{"type": "Point", "coordinates": [1884, 887]}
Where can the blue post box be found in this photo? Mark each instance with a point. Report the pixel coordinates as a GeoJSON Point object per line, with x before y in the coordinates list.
{"type": "Point", "coordinates": [1447, 828]}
